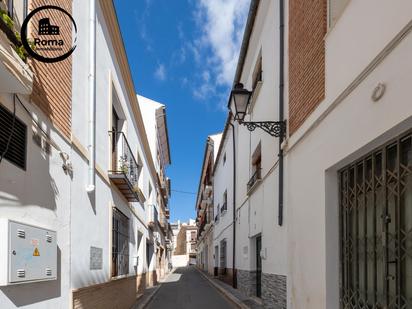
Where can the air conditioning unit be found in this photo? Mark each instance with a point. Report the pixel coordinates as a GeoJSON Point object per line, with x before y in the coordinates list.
{"type": "Point", "coordinates": [27, 253]}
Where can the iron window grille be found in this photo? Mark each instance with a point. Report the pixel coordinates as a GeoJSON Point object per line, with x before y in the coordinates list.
{"type": "Point", "coordinates": [253, 180]}
{"type": "Point", "coordinates": [223, 256]}
{"type": "Point", "coordinates": [16, 152]}
{"type": "Point", "coordinates": [120, 244]}
{"type": "Point", "coordinates": [376, 228]}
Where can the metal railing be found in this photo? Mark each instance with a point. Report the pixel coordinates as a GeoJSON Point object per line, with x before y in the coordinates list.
{"type": "Point", "coordinates": [124, 161]}
{"type": "Point", "coordinates": [255, 177]}
{"type": "Point", "coordinates": [223, 208]}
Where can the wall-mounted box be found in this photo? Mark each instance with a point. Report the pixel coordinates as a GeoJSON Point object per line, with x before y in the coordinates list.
{"type": "Point", "coordinates": [27, 253]}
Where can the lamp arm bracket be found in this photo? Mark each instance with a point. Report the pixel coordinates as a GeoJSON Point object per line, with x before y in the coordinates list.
{"type": "Point", "coordinates": [274, 128]}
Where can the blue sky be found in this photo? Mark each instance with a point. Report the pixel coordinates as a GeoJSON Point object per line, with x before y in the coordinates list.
{"type": "Point", "coordinates": [183, 53]}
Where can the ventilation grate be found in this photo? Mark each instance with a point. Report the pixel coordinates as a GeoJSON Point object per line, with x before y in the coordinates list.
{"type": "Point", "coordinates": [21, 273]}
{"type": "Point", "coordinates": [48, 272]}
{"type": "Point", "coordinates": [21, 233]}
{"type": "Point", "coordinates": [49, 238]}
{"type": "Point", "coordinates": [16, 152]}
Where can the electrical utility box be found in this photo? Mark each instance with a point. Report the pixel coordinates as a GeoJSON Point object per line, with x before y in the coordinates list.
{"type": "Point", "coordinates": [27, 253]}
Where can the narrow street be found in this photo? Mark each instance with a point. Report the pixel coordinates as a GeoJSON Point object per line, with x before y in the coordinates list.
{"type": "Point", "coordinates": [186, 288]}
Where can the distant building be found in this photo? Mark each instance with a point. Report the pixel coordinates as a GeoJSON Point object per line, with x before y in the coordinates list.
{"type": "Point", "coordinates": [184, 243]}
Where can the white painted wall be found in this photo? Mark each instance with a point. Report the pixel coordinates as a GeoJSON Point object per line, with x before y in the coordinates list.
{"type": "Point", "coordinates": [327, 142]}
{"type": "Point", "coordinates": [38, 196]}
{"type": "Point", "coordinates": [257, 214]}
{"type": "Point", "coordinates": [222, 181]}
{"type": "Point", "coordinates": [45, 196]}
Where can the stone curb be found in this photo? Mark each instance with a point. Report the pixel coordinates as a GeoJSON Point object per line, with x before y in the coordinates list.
{"type": "Point", "coordinates": [225, 293]}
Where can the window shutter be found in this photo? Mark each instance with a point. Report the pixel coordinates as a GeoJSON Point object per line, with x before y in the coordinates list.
{"type": "Point", "coordinates": [16, 152]}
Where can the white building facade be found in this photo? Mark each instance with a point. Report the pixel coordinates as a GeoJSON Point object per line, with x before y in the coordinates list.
{"type": "Point", "coordinates": [344, 241]}
{"type": "Point", "coordinates": [205, 206]}
{"type": "Point", "coordinates": [103, 241]}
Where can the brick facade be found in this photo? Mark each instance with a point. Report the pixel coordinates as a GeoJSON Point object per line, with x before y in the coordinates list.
{"type": "Point", "coordinates": [52, 86]}
{"type": "Point", "coordinates": [307, 29]}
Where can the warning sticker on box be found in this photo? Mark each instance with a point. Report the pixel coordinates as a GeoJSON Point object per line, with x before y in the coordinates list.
{"type": "Point", "coordinates": [36, 252]}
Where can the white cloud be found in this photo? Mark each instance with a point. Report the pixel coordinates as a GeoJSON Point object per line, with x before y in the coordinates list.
{"type": "Point", "coordinates": [221, 24]}
{"type": "Point", "coordinates": [160, 72]}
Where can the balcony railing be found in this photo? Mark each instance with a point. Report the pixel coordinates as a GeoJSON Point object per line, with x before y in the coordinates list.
{"type": "Point", "coordinates": [254, 179]}
{"type": "Point", "coordinates": [153, 217]}
{"type": "Point", "coordinates": [125, 170]}
{"type": "Point", "coordinates": [223, 208]}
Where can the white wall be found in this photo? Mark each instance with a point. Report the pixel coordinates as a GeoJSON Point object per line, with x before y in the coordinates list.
{"type": "Point", "coordinates": [38, 196]}
{"type": "Point", "coordinates": [223, 180]}
{"type": "Point", "coordinates": [257, 214]}
{"type": "Point", "coordinates": [351, 128]}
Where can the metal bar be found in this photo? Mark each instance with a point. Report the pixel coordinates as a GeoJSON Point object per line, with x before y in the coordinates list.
{"type": "Point", "coordinates": [365, 230]}
{"type": "Point", "coordinates": [398, 226]}
{"type": "Point", "coordinates": [348, 231]}
{"type": "Point", "coordinates": [355, 174]}
{"type": "Point", "coordinates": [375, 268]}
{"type": "Point", "coordinates": [385, 230]}
{"type": "Point", "coordinates": [341, 247]}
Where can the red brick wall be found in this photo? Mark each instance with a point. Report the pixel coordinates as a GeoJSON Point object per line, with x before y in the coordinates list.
{"type": "Point", "coordinates": [52, 86]}
{"type": "Point", "coordinates": [307, 29]}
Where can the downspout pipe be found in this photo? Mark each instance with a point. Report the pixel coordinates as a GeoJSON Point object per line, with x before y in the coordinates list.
{"type": "Point", "coordinates": [91, 185]}
{"type": "Point", "coordinates": [234, 275]}
{"type": "Point", "coordinates": [281, 104]}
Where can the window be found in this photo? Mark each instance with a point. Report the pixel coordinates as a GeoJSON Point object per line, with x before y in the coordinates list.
{"type": "Point", "coordinates": [256, 167]}
{"type": "Point", "coordinates": [223, 255]}
{"type": "Point", "coordinates": [336, 8]}
{"type": "Point", "coordinates": [150, 189]}
{"type": "Point", "coordinates": [12, 142]}
{"type": "Point", "coordinates": [193, 235]}
{"type": "Point", "coordinates": [375, 223]}
{"type": "Point", "coordinates": [120, 244]}
{"type": "Point", "coordinates": [224, 205]}
{"type": "Point", "coordinates": [257, 73]}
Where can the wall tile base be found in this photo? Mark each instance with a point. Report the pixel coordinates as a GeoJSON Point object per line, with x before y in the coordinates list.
{"type": "Point", "coordinates": [274, 291]}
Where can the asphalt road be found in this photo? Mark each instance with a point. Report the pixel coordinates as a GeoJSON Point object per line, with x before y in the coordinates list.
{"type": "Point", "coordinates": [186, 288]}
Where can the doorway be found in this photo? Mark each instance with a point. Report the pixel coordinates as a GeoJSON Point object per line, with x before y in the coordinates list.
{"type": "Point", "coordinates": [376, 228]}
{"type": "Point", "coordinates": [258, 267]}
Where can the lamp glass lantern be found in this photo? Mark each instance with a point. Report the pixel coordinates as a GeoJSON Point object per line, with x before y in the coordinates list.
{"type": "Point", "coordinates": [239, 102]}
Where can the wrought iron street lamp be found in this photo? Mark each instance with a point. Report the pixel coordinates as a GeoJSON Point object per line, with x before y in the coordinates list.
{"type": "Point", "coordinates": [238, 104]}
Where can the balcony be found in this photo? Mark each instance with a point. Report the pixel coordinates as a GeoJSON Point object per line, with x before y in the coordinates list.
{"type": "Point", "coordinates": [254, 180]}
{"type": "Point", "coordinates": [125, 170]}
{"type": "Point", "coordinates": [153, 217]}
{"type": "Point", "coordinates": [163, 222]}
{"type": "Point", "coordinates": [15, 74]}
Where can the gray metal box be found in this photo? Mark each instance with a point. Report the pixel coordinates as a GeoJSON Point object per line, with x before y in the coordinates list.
{"type": "Point", "coordinates": [27, 253]}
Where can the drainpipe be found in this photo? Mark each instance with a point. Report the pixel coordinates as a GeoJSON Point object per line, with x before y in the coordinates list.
{"type": "Point", "coordinates": [92, 97]}
{"type": "Point", "coordinates": [234, 275]}
{"type": "Point", "coordinates": [281, 105]}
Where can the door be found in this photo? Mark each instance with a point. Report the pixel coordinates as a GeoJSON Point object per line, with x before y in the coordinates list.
{"type": "Point", "coordinates": [115, 138]}
{"type": "Point", "coordinates": [258, 267]}
{"type": "Point", "coordinates": [376, 229]}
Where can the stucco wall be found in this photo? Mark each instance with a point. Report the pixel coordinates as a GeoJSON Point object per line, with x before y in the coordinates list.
{"type": "Point", "coordinates": [352, 126]}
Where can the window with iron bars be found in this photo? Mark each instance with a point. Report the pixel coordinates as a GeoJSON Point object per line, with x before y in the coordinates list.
{"type": "Point", "coordinates": [376, 228]}
{"type": "Point", "coordinates": [223, 256]}
{"type": "Point", "coordinates": [120, 244]}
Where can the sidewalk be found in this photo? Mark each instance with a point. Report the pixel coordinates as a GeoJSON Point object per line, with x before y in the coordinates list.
{"type": "Point", "coordinates": [241, 300]}
{"type": "Point", "coordinates": [143, 300]}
